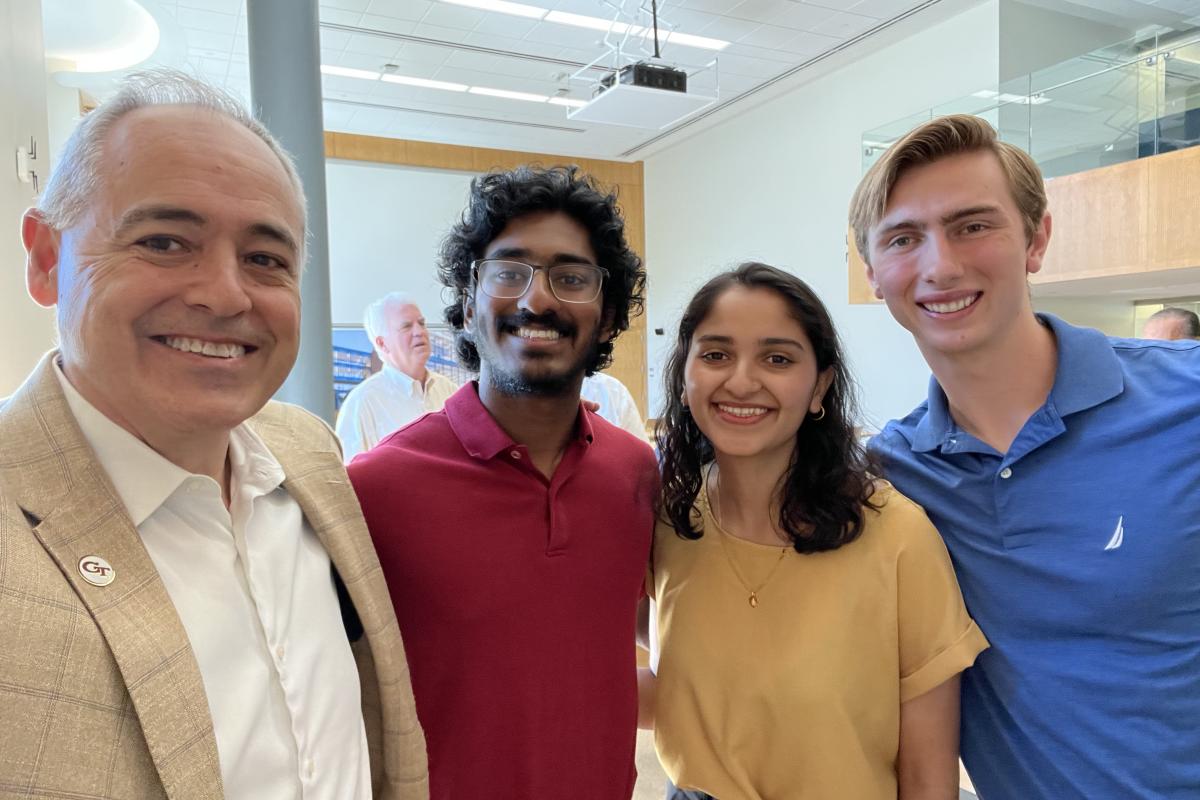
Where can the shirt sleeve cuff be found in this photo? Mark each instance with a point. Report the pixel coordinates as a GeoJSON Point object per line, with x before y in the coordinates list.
{"type": "Point", "coordinates": [950, 661]}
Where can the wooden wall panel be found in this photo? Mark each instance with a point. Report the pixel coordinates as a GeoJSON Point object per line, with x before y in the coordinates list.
{"type": "Point", "coordinates": [1099, 223]}
{"type": "Point", "coordinates": [629, 363]}
{"type": "Point", "coordinates": [1174, 209]}
{"type": "Point", "coordinates": [861, 292]}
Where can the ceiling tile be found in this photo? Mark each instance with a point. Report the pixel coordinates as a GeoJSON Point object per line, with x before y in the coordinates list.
{"type": "Point", "coordinates": [806, 43]}
{"type": "Point", "coordinates": [205, 43]}
{"type": "Point", "coordinates": [372, 45]}
{"type": "Point", "coordinates": [457, 17]}
{"type": "Point", "coordinates": [883, 9]}
{"type": "Point", "coordinates": [220, 6]}
{"type": "Point", "coordinates": [753, 67]}
{"type": "Point", "coordinates": [400, 9]}
{"type": "Point", "coordinates": [729, 28]}
{"type": "Point", "coordinates": [375, 22]}
{"type": "Point", "coordinates": [365, 61]}
{"type": "Point", "coordinates": [424, 53]}
{"type": "Point", "coordinates": [845, 26]}
{"type": "Point", "coordinates": [800, 16]}
{"type": "Point", "coordinates": [564, 35]}
{"type": "Point", "coordinates": [339, 16]}
{"type": "Point", "coordinates": [768, 36]}
{"type": "Point", "coordinates": [712, 6]}
{"type": "Point", "coordinates": [439, 32]}
{"type": "Point", "coordinates": [348, 5]}
{"type": "Point", "coordinates": [334, 40]}
{"type": "Point", "coordinates": [209, 21]}
{"type": "Point", "coordinates": [504, 25]}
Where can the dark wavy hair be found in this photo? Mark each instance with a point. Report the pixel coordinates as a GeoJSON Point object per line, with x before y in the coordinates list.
{"type": "Point", "coordinates": [502, 196]}
{"type": "Point", "coordinates": [828, 485]}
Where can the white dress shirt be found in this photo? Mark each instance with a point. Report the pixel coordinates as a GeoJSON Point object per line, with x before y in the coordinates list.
{"type": "Point", "coordinates": [253, 588]}
{"type": "Point", "coordinates": [616, 403]}
{"type": "Point", "coordinates": [384, 403]}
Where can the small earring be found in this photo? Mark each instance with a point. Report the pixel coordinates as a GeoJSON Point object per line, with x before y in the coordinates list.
{"type": "Point", "coordinates": [820, 415]}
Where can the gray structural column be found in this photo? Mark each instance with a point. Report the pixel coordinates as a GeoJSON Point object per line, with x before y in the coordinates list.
{"type": "Point", "coordinates": [285, 90]}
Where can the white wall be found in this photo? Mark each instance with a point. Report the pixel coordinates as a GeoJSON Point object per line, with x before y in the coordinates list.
{"type": "Point", "coordinates": [1114, 316]}
{"type": "Point", "coordinates": [26, 330]}
{"type": "Point", "coordinates": [774, 183]}
{"type": "Point", "coordinates": [385, 226]}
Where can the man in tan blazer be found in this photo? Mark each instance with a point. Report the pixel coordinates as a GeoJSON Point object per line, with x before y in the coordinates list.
{"type": "Point", "coordinates": [190, 603]}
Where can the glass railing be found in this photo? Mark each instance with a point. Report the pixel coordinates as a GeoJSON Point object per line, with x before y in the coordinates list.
{"type": "Point", "coordinates": [1122, 102]}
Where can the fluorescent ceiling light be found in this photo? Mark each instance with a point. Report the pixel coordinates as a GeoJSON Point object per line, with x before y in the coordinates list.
{"type": "Point", "coordinates": [503, 6]}
{"type": "Point", "coordinates": [570, 102]}
{"type": "Point", "coordinates": [533, 98]}
{"type": "Point", "coordinates": [591, 23]}
{"type": "Point", "coordinates": [347, 72]}
{"type": "Point", "coordinates": [425, 83]}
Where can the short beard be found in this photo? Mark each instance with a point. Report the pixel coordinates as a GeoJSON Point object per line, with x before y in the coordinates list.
{"type": "Point", "coordinates": [517, 384]}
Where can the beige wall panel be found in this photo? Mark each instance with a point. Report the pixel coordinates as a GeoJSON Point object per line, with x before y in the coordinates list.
{"type": "Point", "coordinates": [861, 292]}
{"type": "Point", "coordinates": [629, 362]}
{"type": "Point", "coordinates": [1174, 209]}
{"type": "Point", "coordinates": [1099, 223]}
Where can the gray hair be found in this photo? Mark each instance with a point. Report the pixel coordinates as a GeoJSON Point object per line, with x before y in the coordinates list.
{"type": "Point", "coordinates": [79, 175]}
{"type": "Point", "coordinates": [1189, 320]}
{"type": "Point", "coordinates": [375, 315]}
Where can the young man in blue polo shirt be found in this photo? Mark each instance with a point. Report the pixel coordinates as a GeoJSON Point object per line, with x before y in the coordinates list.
{"type": "Point", "coordinates": [1060, 466]}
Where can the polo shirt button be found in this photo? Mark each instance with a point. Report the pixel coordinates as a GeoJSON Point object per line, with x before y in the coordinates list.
{"type": "Point", "coordinates": [1006, 473]}
{"type": "Point", "coordinates": [515, 453]}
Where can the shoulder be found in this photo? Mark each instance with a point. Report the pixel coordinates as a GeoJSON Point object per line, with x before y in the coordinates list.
{"type": "Point", "coordinates": [287, 425]}
{"type": "Point", "coordinates": [1155, 361]}
{"type": "Point", "coordinates": [619, 443]}
{"type": "Point", "coordinates": [428, 436]}
{"type": "Point", "coordinates": [898, 434]}
{"type": "Point", "coordinates": [897, 524]}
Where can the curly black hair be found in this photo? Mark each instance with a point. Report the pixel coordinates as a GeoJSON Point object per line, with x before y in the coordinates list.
{"type": "Point", "coordinates": [829, 483]}
{"type": "Point", "coordinates": [502, 196]}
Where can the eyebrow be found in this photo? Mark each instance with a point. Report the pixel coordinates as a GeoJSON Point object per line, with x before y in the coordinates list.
{"type": "Point", "coordinates": [946, 219]}
{"type": "Point", "coordinates": [770, 341]}
{"type": "Point", "coordinates": [521, 252]}
{"type": "Point", "coordinates": [162, 213]}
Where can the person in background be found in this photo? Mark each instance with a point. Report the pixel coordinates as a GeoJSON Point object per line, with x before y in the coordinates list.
{"type": "Point", "coordinates": [1049, 458]}
{"type": "Point", "coordinates": [186, 582]}
{"type": "Point", "coordinates": [514, 526]}
{"type": "Point", "coordinates": [615, 403]}
{"type": "Point", "coordinates": [400, 392]}
{"type": "Point", "coordinates": [804, 608]}
{"type": "Point", "coordinates": [1172, 323]}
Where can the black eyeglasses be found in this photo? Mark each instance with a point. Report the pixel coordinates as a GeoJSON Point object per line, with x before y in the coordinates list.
{"type": "Point", "coordinates": [508, 280]}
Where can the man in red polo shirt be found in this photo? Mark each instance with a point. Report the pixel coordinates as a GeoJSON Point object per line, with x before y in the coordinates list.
{"type": "Point", "coordinates": [514, 526]}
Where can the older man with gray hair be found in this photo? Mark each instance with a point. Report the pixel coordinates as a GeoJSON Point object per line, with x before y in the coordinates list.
{"type": "Point", "coordinates": [190, 602]}
{"type": "Point", "coordinates": [404, 389]}
{"type": "Point", "coordinates": [1172, 323]}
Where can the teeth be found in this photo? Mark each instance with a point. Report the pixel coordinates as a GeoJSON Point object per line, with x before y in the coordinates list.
{"type": "Point", "coordinates": [211, 349]}
{"type": "Point", "coordinates": [950, 308]}
{"type": "Point", "coordinates": [538, 333]}
{"type": "Point", "coordinates": [740, 411]}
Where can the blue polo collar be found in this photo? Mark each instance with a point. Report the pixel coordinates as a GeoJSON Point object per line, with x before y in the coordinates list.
{"type": "Point", "coordinates": [1088, 373]}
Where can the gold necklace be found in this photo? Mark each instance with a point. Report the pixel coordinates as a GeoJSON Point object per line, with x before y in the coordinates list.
{"type": "Point", "coordinates": [712, 507]}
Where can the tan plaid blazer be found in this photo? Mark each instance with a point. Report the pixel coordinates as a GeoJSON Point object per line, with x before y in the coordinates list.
{"type": "Point", "coordinates": [100, 694]}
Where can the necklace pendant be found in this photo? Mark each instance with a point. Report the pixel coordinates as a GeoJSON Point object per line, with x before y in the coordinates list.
{"type": "Point", "coordinates": [754, 600]}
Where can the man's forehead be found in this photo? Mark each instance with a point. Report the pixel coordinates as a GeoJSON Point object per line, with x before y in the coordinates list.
{"type": "Point", "coordinates": [956, 182]}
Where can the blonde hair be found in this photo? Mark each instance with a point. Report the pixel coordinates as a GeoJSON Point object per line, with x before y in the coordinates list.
{"type": "Point", "coordinates": [940, 138]}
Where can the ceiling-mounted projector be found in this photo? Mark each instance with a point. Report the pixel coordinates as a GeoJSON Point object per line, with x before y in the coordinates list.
{"type": "Point", "coordinates": [642, 95]}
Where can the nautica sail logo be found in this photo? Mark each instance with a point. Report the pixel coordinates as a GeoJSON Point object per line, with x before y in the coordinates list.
{"type": "Point", "coordinates": [1118, 535]}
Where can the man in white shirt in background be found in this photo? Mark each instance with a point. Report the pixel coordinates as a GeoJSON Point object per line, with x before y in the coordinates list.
{"type": "Point", "coordinates": [400, 392]}
{"type": "Point", "coordinates": [183, 564]}
{"type": "Point", "coordinates": [616, 403]}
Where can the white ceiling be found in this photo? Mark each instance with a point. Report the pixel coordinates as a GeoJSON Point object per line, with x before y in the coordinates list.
{"type": "Point", "coordinates": [436, 40]}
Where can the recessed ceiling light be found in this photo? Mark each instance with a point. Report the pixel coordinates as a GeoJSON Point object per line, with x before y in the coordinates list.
{"type": "Point", "coordinates": [503, 6]}
{"type": "Point", "coordinates": [425, 83]}
{"type": "Point", "coordinates": [348, 72]}
{"type": "Point", "coordinates": [505, 93]}
{"type": "Point", "coordinates": [570, 102]}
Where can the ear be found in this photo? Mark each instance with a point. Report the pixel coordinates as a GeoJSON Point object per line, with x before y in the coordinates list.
{"type": "Point", "coordinates": [43, 244]}
{"type": "Point", "coordinates": [824, 381]}
{"type": "Point", "coordinates": [468, 306]}
{"type": "Point", "coordinates": [380, 344]}
{"type": "Point", "coordinates": [1037, 245]}
{"type": "Point", "coordinates": [874, 283]}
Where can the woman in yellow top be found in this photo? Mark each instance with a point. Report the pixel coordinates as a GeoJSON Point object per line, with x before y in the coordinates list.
{"type": "Point", "coordinates": [811, 628]}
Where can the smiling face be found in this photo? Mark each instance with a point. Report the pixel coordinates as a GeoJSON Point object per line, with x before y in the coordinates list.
{"type": "Point", "coordinates": [404, 344]}
{"type": "Point", "coordinates": [751, 378]}
{"type": "Point", "coordinates": [536, 343]}
{"type": "Point", "coordinates": [178, 290]}
{"type": "Point", "coordinates": [950, 255]}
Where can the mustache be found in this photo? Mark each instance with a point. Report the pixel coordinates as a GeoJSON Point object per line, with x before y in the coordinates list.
{"type": "Point", "coordinates": [548, 320]}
